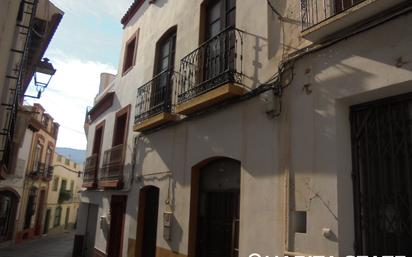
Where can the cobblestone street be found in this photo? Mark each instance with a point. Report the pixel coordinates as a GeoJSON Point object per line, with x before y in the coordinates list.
{"type": "Point", "coordinates": [50, 246]}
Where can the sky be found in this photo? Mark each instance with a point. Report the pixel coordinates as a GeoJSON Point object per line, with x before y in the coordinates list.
{"type": "Point", "coordinates": [86, 43]}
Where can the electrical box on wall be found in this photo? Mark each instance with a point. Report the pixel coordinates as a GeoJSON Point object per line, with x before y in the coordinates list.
{"type": "Point", "coordinates": [167, 225]}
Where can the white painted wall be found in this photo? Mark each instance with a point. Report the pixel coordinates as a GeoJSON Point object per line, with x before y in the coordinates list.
{"type": "Point", "coordinates": [298, 161]}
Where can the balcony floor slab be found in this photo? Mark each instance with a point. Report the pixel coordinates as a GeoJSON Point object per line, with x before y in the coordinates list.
{"type": "Point", "coordinates": [154, 121]}
{"type": "Point", "coordinates": [214, 96]}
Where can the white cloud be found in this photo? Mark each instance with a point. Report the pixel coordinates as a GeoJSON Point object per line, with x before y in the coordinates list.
{"type": "Point", "coordinates": [70, 91]}
{"type": "Point", "coordinates": [115, 9]}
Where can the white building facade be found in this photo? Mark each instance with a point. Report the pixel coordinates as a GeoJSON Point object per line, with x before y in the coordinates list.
{"type": "Point", "coordinates": [239, 127]}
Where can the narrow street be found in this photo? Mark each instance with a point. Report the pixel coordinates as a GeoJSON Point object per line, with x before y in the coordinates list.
{"type": "Point", "coordinates": [52, 246]}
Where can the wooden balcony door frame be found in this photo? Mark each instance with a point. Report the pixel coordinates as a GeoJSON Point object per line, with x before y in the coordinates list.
{"type": "Point", "coordinates": [97, 143]}
{"type": "Point", "coordinates": [215, 17]}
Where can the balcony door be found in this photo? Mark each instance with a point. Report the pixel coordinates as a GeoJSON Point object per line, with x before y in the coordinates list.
{"type": "Point", "coordinates": [164, 66]}
{"type": "Point", "coordinates": [219, 51]}
{"type": "Point", "coordinates": [97, 145]}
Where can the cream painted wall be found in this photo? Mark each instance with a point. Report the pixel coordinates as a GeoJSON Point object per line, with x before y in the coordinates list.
{"type": "Point", "coordinates": [351, 72]}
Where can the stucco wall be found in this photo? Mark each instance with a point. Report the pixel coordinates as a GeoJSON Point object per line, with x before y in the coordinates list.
{"type": "Point", "coordinates": [361, 69]}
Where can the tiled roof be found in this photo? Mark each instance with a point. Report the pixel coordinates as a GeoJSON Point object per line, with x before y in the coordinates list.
{"type": "Point", "coordinates": [132, 10]}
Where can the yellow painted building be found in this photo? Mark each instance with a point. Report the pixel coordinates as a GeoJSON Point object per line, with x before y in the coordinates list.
{"type": "Point", "coordinates": [63, 199]}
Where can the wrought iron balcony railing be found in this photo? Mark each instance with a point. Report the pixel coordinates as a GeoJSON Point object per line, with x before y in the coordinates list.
{"type": "Point", "coordinates": [217, 61]}
{"type": "Point", "coordinates": [316, 11]}
{"type": "Point", "coordinates": [90, 169]}
{"type": "Point", "coordinates": [155, 96]}
{"type": "Point", "coordinates": [112, 168]}
{"type": "Point", "coordinates": [65, 196]}
{"type": "Point", "coordinates": [41, 171]}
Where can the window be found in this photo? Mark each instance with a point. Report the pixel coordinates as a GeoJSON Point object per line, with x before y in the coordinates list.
{"type": "Point", "coordinates": [120, 126]}
{"type": "Point", "coordinates": [98, 138]}
{"type": "Point", "coordinates": [59, 158]}
{"type": "Point", "coordinates": [67, 161]}
{"type": "Point", "coordinates": [63, 185]}
{"type": "Point", "coordinates": [220, 14]}
{"type": "Point", "coordinates": [75, 165]}
{"type": "Point", "coordinates": [48, 159]}
{"type": "Point", "coordinates": [164, 63]}
{"type": "Point", "coordinates": [37, 155]}
{"type": "Point", "coordinates": [45, 121]}
{"type": "Point", "coordinates": [55, 183]}
{"type": "Point", "coordinates": [130, 53]}
{"type": "Point", "coordinates": [57, 216]}
{"type": "Point", "coordinates": [71, 185]}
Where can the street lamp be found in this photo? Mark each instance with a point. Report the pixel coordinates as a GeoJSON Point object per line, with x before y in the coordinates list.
{"type": "Point", "coordinates": [47, 70]}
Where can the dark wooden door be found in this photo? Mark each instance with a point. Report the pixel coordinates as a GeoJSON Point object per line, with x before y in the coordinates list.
{"type": "Point", "coordinates": [147, 222]}
{"type": "Point", "coordinates": [382, 166]}
{"type": "Point", "coordinates": [40, 209]}
{"type": "Point", "coordinates": [46, 222]}
{"type": "Point", "coordinates": [117, 210]}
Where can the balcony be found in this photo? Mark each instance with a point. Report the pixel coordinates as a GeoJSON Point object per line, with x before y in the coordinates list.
{"type": "Point", "coordinates": [212, 73]}
{"type": "Point", "coordinates": [322, 18]}
{"type": "Point", "coordinates": [65, 196]}
{"type": "Point", "coordinates": [154, 102]}
{"type": "Point", "coordinates": [40, 171]}
{"type": "Point", "coordinates": [111, 173]}
{"type": "Point", "coordinates": [90, 171]}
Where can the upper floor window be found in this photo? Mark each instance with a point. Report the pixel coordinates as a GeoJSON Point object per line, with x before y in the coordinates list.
{"type": "Point", "coordinates": [45, 121]}
{"type": "Point", "coordinates": [63, 186]}
{"type": "Point", "coordinates": [130, 53]}
{"type": "Point", "coordinates": [165, 51]}
{"type": "Point", "coordinates": [120, 127]}
{"type": "Point", "coordinates": [55, 183]}
{"type": "Point", "coordinates": [37, 156]}
{"type": "Point", "coordinates": [67, 161]}
{"type": "Point", "coordinates": [219, 14]}
{"type": "Point", "coordinates": [48, 158]}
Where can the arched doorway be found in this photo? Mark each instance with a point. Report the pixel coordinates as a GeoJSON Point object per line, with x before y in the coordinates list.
{"type": "Point", "coordinates": [147, 222]}
{"type": "Point", "coordinates": [214, 215]}
{"type": "Point", "coordinates": [8, 207]}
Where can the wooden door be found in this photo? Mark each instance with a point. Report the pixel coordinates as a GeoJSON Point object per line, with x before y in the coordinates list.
{"type": "Point", "coordinates": [40, 208]}
{"type": "Point", "coordinates": [117, 210]}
